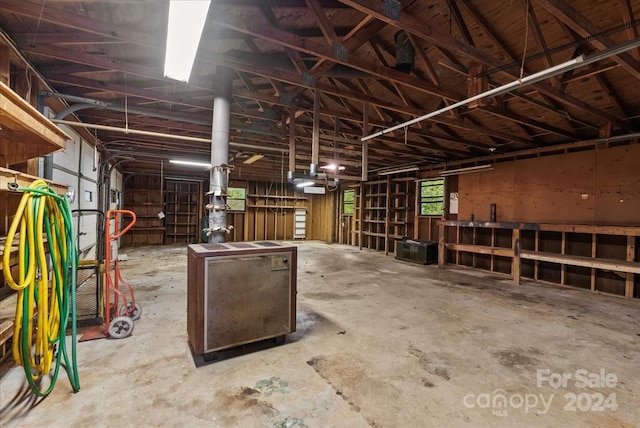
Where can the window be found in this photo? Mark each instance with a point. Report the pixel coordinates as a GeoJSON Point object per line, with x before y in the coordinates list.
{"type": "Point", "coordinates": [347, 202]}
{"type": "Point", "coordinates": [432, 197]}
{"type": "Point", "coordinates": [236, 198]}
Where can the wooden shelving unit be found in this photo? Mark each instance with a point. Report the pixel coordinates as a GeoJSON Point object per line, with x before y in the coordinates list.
{"type": "Point", "coordinates": [384, 212]}
{"type": "Point", "coordinates": [270, 211]}
{"type": "Point", "coordinates": [144, 196]}
{"type": "Point", "coordinates": [596, 258]}
{"type": "Point", "coordinates": [183, 205]}
{"type": "Point", "coordinates": [25, 134]}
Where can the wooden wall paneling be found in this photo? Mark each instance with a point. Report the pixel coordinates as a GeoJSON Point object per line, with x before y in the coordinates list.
{"type": "Point", "coordinates": [245, 224]}
{"type": "Point", "coordinates": [587, 187]}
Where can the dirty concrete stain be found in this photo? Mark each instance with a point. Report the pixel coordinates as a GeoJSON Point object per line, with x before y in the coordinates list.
{"type": "Point", "coordinates": [272, 385]}
{"type": "Point", "coordinates": [428, 384]}
{"type": "Point", "coordinates": [516, 357]}
{"type": "Point", "coordinates": [331, 296]}
{"type": "Point", "coordinates": [433, 363]}
{"type": "Point", "coordinates": [290, 422]}
{"type": "Point", "coordinates": [230, 405]}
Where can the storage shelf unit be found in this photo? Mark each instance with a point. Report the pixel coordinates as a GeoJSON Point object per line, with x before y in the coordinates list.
{"type": "Point", "coordinates": [144, 196]}
{"type": "Point", "coordinates": [24, 134]}
{"type": "Point", "coordinates": [271, 212]}
{"type": "Point", "coordinates": [184, 210]}
{"type": "Point", "coordinates": [597, 258]}
{"type": "Point", "coordinates": [383, 213]}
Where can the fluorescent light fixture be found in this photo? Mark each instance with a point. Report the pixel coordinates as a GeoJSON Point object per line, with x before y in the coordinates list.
{"type": "Point", "coordinates": [186, 22]}
{"type": "Point", "coordinates": [572, 64]}
{"type": "Point", "coordinates": [333, 167]}
{"type": "Point", "coordinates": [305, 183]}
{"type": "Point", "coordinates": [468, 170]}
{"type": "Point", "coordinates": [190, 163]}
{"type": "Point", "coordinates": [252, 159]}
{"type": "Point", "coordinates": [399, 170]}
{"type": "Point", "coordinates": [315, 190]}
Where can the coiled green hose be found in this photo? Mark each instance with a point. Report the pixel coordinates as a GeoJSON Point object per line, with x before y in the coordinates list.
{"type": "Point", "coordinates": [46, 292]}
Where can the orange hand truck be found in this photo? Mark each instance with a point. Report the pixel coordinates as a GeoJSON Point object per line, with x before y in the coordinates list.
{"type": "Point", "coordinates": [119, 313]}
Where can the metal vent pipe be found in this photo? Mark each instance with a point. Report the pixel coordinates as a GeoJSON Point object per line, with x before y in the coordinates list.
{"type": "Point", "coordinates": [405, 53]}
{"type": "Point", "coordinates": [219, 174]}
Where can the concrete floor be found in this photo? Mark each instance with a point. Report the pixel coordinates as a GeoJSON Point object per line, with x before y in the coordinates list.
{"type": "Point", "coordinates": [380, 343]}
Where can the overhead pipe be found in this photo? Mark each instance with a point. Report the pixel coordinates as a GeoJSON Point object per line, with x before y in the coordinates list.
{"type": "Point", "coordinates": [88, 103]}
{"type": "Point", "coordinates": [162, 135]}
{"type": "Point", "coordinates": [572, 64]}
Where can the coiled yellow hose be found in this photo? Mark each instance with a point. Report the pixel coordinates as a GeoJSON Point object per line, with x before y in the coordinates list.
{"type": "Point", "coordinates": [46, 286]}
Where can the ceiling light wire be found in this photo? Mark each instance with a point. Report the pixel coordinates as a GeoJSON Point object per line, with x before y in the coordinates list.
{"type": "Point", "coordinates": [126, 104]}
{"type": "Point", "coordinates": [526, 39]}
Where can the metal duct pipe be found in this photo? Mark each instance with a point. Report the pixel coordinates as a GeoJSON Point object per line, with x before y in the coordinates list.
{"type": "Point", "coordinates": [133, 110]}
{"type": "Point", "coordinates": [163, 135]}
{"type": "Point", "coordinates": [219, 174]}
{"type": "Point", "coordinates": [405, 53]}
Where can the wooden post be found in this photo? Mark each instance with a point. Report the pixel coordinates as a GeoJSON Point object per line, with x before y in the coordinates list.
{"type": "Point", "coordinates": [594, 253]}
{"type": "Point", "coordinates": [563, 267]}
{"type": "Point", "coordinates": [536, 264]}
{"type": "Point", "coordinates": [386, 217]}
{"type": "Point", "coordinates": [365, 144]}
{"type": "Point", "coordinates": [515, 264]}
{"type": "Point", "coordinates": [315, 136]}
{"type": "Point", "coordinates": [361, 202]}
{"type": "Point", "coordinates": [5, 65]}
{"type": "Point", "coordinates": [493, 244]}
{"type": "Point", "coordinates": [457, 242]}
{"type": "Point", "coordinates": [631, 251]}
{"type": "Point", "coordinates": [416, 213]}
{"type": "Point", "coordinates": [442, 252]}
{"type": "Point", "coordinates": [292, 139]}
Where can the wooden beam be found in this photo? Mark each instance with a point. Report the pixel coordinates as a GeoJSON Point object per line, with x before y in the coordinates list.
{"type": "Point", "coordinates": [365, 144]}
{"type": "Point", "coordinates": [62, 17]}
{"type": "Point", "coordinates": [324, 23]}
{"type": "Point", "coordinates": [581, 25]}
{"type": "Point", "coordinates": [428, 33]}
{"type": "Point", "coordinates": [632, 31]}
{"type": "Point", "coordinates": [312, 47]}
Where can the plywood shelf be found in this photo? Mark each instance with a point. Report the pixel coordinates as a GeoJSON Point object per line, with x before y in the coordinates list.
{"type": "Point", "coordinates": [10, 177]}
{"type": "Point", "coordinates": [611, 248]}
{"type": "Point", "coordinates": [301, 198]}
{"type": "Point", "coordinates": [383, 213]}
{"type": "Point", "coordinates": [26, 133]}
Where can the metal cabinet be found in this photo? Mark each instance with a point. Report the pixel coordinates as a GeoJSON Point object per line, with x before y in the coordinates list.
{"type": "Point", "coordinates": [240, 292]}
